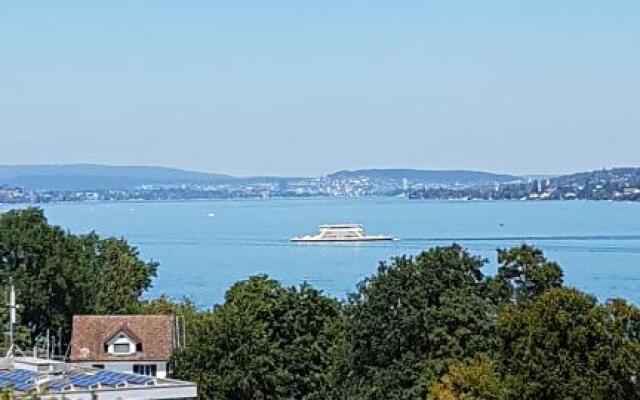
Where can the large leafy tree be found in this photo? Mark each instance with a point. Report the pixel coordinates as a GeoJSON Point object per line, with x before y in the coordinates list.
{"type": "Point", "coordinates": [409, 321]}
{"type": "Point", "coordinates": [264, 342]}
{"type": "Point", "coordinates": [564, 345]}
{"type": "Point", "coordinates": [525, 273]}
{"type": "Point", "coordinates": [118, 275]}
{"type": "Point", "coordinates": [58, 274]}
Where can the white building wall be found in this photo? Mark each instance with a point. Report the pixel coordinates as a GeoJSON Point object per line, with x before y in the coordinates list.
{"type": "Point", "coordinates": [141, 393]}
{"type": "Point", "coordinates": [127, 366]}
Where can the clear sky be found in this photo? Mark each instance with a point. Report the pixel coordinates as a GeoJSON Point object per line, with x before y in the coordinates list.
{"type": "Point", "coordinates": [308, 87]}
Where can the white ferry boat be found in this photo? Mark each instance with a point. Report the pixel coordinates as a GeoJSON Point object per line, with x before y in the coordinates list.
{"type": "Point", "coordinates": [341, 233]}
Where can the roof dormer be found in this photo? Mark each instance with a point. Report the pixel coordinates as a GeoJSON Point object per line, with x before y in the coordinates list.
{"type": "Point", "coordinates": [123, 343]}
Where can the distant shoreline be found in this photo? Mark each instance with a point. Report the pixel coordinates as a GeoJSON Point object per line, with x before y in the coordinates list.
{"type": "Point", "coordinates": [73, 183]}
{"type": "Point", "coordinates": [307, 198]}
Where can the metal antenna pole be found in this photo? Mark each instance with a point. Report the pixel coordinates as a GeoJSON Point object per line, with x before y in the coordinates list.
{"type": "Point", "coordinates": [184, 332]}
{"type": "Point", "coordinates": [13, 308]}
{"type": "Point", "coordinates": [12, 316]}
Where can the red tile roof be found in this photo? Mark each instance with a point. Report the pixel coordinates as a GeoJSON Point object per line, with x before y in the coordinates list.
{"type": "Point", "coordinates": [124, 329]}
{"type": "Point", "coordinates": [91, 332]}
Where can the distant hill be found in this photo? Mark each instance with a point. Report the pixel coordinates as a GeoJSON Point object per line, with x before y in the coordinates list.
{"type": "Point", "coordinates": [605, 175]}
{"type": "Point", "coordinates": [79, 177]}
{"type": "Point", "coordinates": [95, 177]}
{"type": "Point", "coordinates": [435, 177]}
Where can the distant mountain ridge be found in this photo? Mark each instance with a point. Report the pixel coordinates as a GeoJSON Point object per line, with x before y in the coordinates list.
{"type": "Point", "coordinates": [444, 177]}
{"type": "Point", "coordinates": [602, 174]}
{"type": "Point", "coordinates": [99, 177]}
{"type": "Point", "coordinates": [51, 183]}
{"type": "Point", "coordinates": [73, 177]}
{"type": "Point", "coordinates": [96, 177]}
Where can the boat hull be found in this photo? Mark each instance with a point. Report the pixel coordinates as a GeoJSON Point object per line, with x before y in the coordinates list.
{"type": "Point", "coordinates": [341, 240]}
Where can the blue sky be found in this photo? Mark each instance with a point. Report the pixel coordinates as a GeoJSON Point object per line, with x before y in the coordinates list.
{"type": "Point", "coordinates": [305, 88]}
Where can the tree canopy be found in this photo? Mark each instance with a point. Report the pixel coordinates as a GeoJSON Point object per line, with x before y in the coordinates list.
{"type": "Point", "coordinates": [58, 274]}
{"type": "Point", "coordinates": [565, 345]}
{"type": "Point", "coordinates": [266, 341]}
{"type": "Point", "coordinates": [407, 321]}
{"type": "Point", "coordinates": [527, 273]}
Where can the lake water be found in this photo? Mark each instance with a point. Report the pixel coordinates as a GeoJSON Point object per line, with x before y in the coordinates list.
{"type": "Point", "coordinates": [203, 247]}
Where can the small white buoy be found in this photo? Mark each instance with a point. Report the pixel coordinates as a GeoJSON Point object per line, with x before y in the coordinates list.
{"type": "Point", "coordinates": [210, 215]}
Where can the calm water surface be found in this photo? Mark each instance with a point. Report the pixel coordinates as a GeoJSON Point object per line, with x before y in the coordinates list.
{"type": "Point", "coordinates": [204, 247]}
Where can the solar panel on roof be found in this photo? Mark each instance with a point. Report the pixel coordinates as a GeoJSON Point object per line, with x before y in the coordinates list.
{"type": "Point", "coordinates": [23, 387]}
{"type": "Point", "coordinates": [22, 378]}
{"type": "Point", "coordinates": [16, 384]}
{"type": "Point", "coordinates": [22, 372]}
{"type": "Point", "coordinates": [58, 385]}
{"type": "Point", "coordinates": [108, 379]}
{"type": "Point", "coordinates": [84, 380]}
{"type": "Point", "coordinates": [112, 382]}
{"type": "Point", "coordinates": [130, 378]}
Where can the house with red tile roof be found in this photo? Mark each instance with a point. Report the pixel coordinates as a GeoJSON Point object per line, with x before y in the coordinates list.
{"type": "Point", "coordinates": [141, 344]}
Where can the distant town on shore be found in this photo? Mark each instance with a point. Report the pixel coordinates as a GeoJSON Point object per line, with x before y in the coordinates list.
{"type": "Point", "coordinates": [36, 184]}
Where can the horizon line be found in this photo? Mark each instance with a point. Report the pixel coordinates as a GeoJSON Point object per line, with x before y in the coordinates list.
{"type": "Point", "coordinates": [376, 168]}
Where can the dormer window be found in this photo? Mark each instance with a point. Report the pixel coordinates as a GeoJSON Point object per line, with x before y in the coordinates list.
{"type": "Point", "coordinates": [123, 343]}
{"type": "Point", "coordinates": [121, 348]}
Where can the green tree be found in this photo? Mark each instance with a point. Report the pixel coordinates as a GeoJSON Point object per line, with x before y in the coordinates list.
{"type": "Point", "coordinates": [119, 276]}
{"type": "Point", "coordinates": [525, 273]}
{"type": "Point", "coordinates": [41, 259]}
{"type": "Point", "coordinates": [564, 345]}
{"type": "Point", "coordinates": [264, 342]}
{"type": "Point", "coordinates": [58, 274]}
{"type": "Point", "coordinates": [166, 306]}
{"type": "Point", "coordinates": [407, 322]}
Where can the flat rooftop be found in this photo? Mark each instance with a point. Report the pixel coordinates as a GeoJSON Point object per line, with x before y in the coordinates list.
{"type": "Point", "coordinates": [29, 375]}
